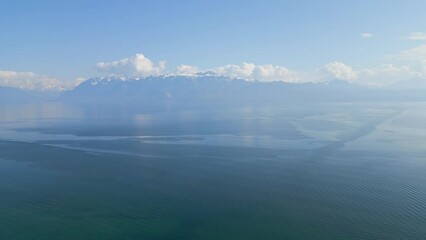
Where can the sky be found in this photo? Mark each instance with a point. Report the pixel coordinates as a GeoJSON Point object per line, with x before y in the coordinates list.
{"type": "Point", "coordinates": [57, 44]}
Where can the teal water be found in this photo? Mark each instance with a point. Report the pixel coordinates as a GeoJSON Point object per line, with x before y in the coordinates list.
{"type": "Point", "coordinates": [329, 171]}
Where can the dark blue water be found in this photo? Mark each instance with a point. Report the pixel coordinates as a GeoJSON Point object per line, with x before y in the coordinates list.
{"type": "Point", "coordinates": [324, 171]}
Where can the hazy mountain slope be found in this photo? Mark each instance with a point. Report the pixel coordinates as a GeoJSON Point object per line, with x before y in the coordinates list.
{"type": "Point", "coordinates": [221, 90]}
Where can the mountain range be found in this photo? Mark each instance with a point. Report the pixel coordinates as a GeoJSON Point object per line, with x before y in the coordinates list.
{"type": "Point", "coordinates": [223, 90]}
{"type": "Point", "coordinates": [209, 90]}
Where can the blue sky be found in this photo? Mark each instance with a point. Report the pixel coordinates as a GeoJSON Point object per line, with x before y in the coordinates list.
{"type": "Point", "coordinates": [66, 39]}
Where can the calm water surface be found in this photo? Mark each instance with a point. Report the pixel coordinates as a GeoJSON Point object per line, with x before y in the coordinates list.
{"type": "Point", "coordinates": [324, 171]}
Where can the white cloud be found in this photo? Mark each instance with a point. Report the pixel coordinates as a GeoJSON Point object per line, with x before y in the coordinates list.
{"type": "Point", "coordinates": [367, 35]}
{"type": "Point", "coordinates": [381, 75]}
{"type": "Point", "coordinates": [414, 54]}
{"type": "Point", "coordinates": [135, 65]}
{"type": "Point", "coordinates": [264, 73]}
{"type": "Point", "coordinates": [33, 81]}
{"type": "Point", "coordinates": [243, 71]}
{"type": "Point", "coordinates": [416, 36]}
{"type": "Point", "coordinates": [143, 66]}
{"type": "Point", "coordinates": [413, 67]}
{"type": "Point", "coordinates": [338, 70]}
{"type": "Point", "coordinates": [186, 70]}
{"type": "Point", "coordinates": [386, 74]}
{"type": "Point", "coordinates": [77, 81]}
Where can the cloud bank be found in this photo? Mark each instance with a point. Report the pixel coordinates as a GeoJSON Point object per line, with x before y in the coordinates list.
{"type": "Point", "coordinates": [135, 65]}
{"type": "Point", "coordinates": [140, 65]}
{"type": "Point", "coordinates": [403, 66]}
{"type": "Point", "coordinates": [186, 70]}
{"type": "Point", "coordinates": [338, 70]}
{"type": "Point", "coordinates": [33, 81]}
{"type": "Point", "coordinates": [382, 75]}
{"type": "Point", "coordinates": [416, 36]}
{"type": "Point", "coordinates": [264, 73]}
{"type": "Point", "coordinates": [415, 54]}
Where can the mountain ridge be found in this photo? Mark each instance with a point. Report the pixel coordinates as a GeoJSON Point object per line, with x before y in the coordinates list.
{"type": "Point", "coordinates": [210, 89]}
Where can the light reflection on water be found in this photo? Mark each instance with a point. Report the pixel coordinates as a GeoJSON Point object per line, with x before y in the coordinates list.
{"type": "Point", "coordinates": [281, 128]}
{"type": "Point", "coordinates": [330, 171]}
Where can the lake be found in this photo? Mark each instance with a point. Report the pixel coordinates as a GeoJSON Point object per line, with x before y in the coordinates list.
{"type": "Point", "coordinates": [300, 171]}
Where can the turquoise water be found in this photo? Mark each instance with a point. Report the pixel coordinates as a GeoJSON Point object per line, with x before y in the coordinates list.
{"type": "Point", "coordinates": [329, 171]}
